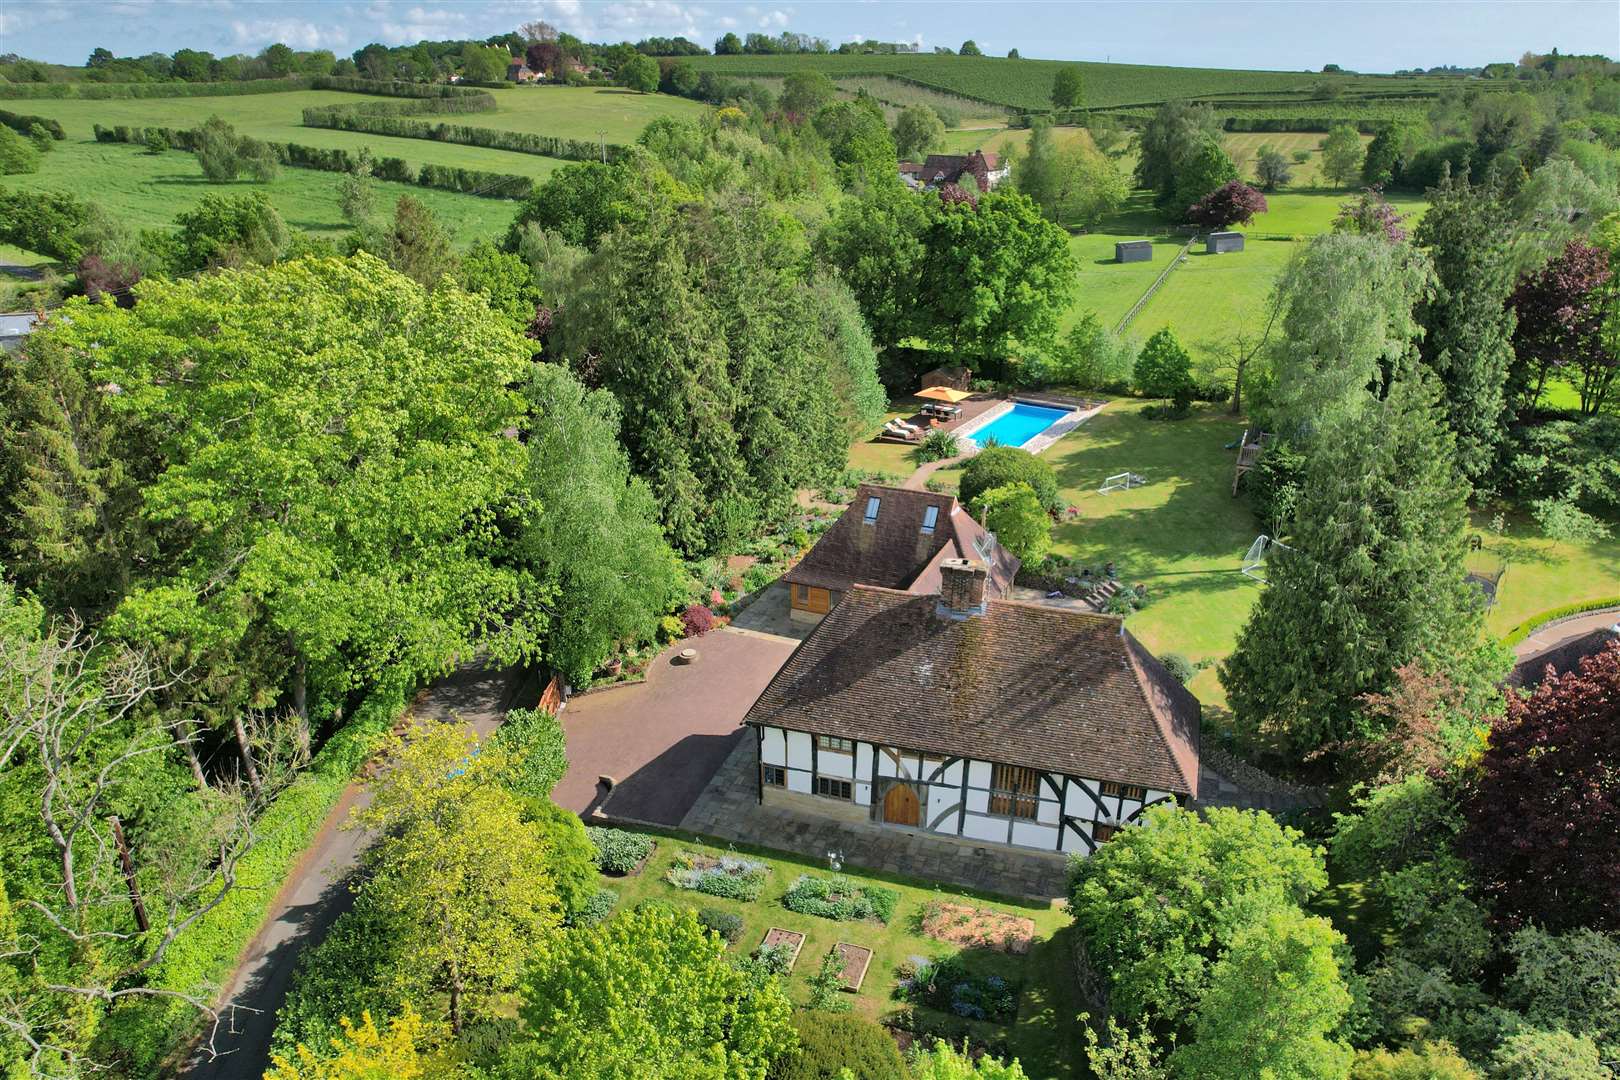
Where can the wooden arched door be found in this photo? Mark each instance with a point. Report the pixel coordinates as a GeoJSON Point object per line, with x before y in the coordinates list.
{"type": "Point", "coordinates": [900, 805]}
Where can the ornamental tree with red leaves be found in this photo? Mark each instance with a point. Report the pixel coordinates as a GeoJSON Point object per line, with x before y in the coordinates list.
{"type": "Point", "coordinates": [697, 620]}
{"type": "Point", "coordinates": [1543, 817]}
{"type": "Point", "coordinates": [1371, 215]}
{"type": "Point", "coordinates": [1560, 312]}
{"type": "Point", "coordinates": [957, 195]}
{"type": "Point", "coordinates": [1233, 203]}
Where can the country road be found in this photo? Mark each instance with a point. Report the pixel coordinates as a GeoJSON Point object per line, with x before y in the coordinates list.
{"type": "Point", "coordinates": [317, 891]}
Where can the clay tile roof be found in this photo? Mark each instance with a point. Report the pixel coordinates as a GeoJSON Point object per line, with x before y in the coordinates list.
{"type": "Point", "coordinates": [1022, 684]}
{"type": "Point", "coordinates": [894, 552]}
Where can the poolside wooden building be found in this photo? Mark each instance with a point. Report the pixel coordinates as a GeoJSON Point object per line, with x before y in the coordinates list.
{"type": "Point", "coordinates": [895, 538]}
{"type": "Point", "coordinates": [958, 715]}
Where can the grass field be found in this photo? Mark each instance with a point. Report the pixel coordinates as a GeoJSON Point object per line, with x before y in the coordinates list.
{"type": "Point", "coordinates": [1045, 1036]}
{"type": "Point", "coordinates": [1543, 574]}
{"type": "Point", "coordinates": [568, 112]}
{"type": "Point", "coordinates": [1027, 84]}
{"type": "Point", "coordinates": [147, 191]}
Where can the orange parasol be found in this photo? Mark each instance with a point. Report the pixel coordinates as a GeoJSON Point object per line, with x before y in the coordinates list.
{"type": "Point", "coordinates": [946, 394]}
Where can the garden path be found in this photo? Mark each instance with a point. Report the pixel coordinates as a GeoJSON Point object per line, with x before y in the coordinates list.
{"type": "Point", "coordinates": [1561, 643]}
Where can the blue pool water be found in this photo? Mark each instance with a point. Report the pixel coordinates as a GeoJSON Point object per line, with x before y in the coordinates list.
{"type": "Point", "coordinates": [1018, 425]}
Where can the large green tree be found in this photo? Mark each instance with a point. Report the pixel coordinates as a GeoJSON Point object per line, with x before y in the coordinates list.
{"type": "Point", "coordinates": [875, 241]}
{"type": "Point", "coordinates": [997, 276]}
{"type": "Point", "coordinates": [1157, 904]}
{"type": "Point", "coordinates": [1176, 133]}
{"type": "Point", "coordinates": [1347, 320]}
{"type": "Point", "coordinates": [1372, 578]}
{"type": "Point", "coordinates": [649, 994]}
{"type": "Point", "coordinates": [698, 324]}
{"type": "Point", "coordinates": [329, 466]}
{"type": "Point", "coordinates": [442, 816]}
{"type": "Point", "coordinates": [1468, 326]}
{"type": "Point", "coordinates": [1274, 999]}
{"type": "Point", "coordinates": [917, 130]}
{"type": "Point", "coordinates": [595, 538]}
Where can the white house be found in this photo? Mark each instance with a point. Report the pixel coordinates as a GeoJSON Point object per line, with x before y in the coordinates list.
{"type": "Point", "coordinates": [960, 715]}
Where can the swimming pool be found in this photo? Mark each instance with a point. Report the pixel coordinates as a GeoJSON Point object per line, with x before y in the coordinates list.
{"type": "Point", "coordinates": [1017, 425]}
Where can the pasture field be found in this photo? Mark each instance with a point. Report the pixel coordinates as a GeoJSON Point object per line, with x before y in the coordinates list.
{"type": "Point", "coordinates": [1212, 298]}
{"type": "Point", "coordinates": [1244, 148]}
{"type": "Point", "coordinates": [566, 112]}
{"type": "Point", "coordinates": [147, 191]}
{"type": "Point", "coordinates": [1027, 84]}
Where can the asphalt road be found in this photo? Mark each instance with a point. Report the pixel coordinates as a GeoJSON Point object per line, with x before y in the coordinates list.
{"type": "Point", "coordinates": [317, 892]}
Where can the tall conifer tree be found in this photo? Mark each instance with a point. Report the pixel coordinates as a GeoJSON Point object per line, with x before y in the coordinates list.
{"type": "Point", "coordinates": [1468, 339]}
{"type": "Point", "coordinates": [1372, 577]}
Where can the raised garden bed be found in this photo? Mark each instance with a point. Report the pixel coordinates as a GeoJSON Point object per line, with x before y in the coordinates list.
{"type": "Point", "coordinates": [977, 928]}
{"type": "Point", "coordinates": [619, 852]}
{"type": "Point", "coordinates": [856, 959]}
{"type": "Point", "coordinates": [841, 898]}
{"type": "Point", "coordinates": [730, 876]}
{"type": "Point", "coordinates": [788, 942]}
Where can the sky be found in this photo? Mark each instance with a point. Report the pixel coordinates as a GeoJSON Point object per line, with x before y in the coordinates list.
{"type": "Point", "coordinates": [1364, 35]}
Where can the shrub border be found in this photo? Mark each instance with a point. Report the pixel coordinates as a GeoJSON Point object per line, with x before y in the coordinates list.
{"type": "Point", "coordinates": [1557, 614]}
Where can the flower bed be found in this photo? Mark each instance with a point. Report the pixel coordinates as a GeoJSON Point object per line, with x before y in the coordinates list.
{"type": "Point", "coordinates": [976, 928]}
{"type": "Point", "coordinates": [619, 852]}
{"type": "Point", "coordinates": [947, 985]}
{"type": "Point", "coordinates": [730, 876]}
{"type": "Point", "coordinates": [840, 898]}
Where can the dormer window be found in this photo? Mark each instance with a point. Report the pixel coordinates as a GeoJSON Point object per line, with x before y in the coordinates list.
{"type": "Point", "coordinates": [930, 519]}
{"type": "Point", "coordinates": [872, 504]}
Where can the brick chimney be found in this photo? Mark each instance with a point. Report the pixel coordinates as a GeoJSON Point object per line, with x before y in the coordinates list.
{"type": "Point", "coordinates": [962, 587]}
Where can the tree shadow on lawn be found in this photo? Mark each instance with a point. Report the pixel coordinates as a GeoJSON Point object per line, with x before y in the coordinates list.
{"type": "Point", "coordinates": [1047, 1030]}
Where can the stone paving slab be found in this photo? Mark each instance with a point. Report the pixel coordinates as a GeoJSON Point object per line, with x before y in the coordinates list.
{"type": "Point", "coordinates": [728, 809]}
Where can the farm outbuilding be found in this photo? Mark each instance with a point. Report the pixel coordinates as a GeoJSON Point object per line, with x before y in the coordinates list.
{"type": "Point", "coordinates": [1219, 243]}
{"type": "Point", "coordinates": [1129, 251]}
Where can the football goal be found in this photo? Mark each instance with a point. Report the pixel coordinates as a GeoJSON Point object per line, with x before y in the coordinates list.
{"type": "Point", "coordinates": [1121, 482]}
{"type": "Point", "coordinates": [1254, 563]}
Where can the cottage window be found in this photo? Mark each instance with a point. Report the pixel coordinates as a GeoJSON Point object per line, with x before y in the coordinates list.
{"type": "Point", "coordinates": [775, 776]}
{"type": "Point", "coordinates": [1123, 791]}
{"type": "Point", "coordinates": [930, 519]}
{"type": "Point", "coordinates": [1101, 833]}
{"type": "Point", "coordinates": [872, 504]}
{"type": "Point", "coordinates": [1015, 791]}
{"type": "Point", "coordinates": [833, 789]}
{"type": "Point", "coordinates": [836, 746]}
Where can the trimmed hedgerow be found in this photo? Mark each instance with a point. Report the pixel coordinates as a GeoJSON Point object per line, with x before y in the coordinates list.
{"type": "Point", "coordinates": [329, 159]}
{"type": "Point", "coordinates": [619, 851]}
{"type": "Point", "coordinates": [1542, 618]}
{"type": "Point", "coordinates": [840, 898]}
{"type": "Point", "coordinates": [119, 91]}
{"type": "Point", "coordinates": [729, 876]}
{"type": "Point", "coordinates": [23, 124]}
{"type": "Point", "coordinates": [397, 121]}
{"type": "Point", "coordinates": [728, 924]}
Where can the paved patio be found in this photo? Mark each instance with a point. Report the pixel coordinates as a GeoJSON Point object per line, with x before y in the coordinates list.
{"type": "Point", "coordinates": [661, 740]}
{"type": "Point", "coordinates": [728, 809]}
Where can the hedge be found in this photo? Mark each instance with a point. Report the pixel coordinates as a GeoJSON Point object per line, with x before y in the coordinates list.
{"type": "Point", "coordinates": [1542, 618]}
{"type": "Point", "coordinates": [331, 159]}
{"type": "Point", "coordinates": [373, 122]}
{"type": "Point", "coordinates": [103, 91]}
{"type": "Point", "coordinates": [149, 1030]}
{"type": "Point", "coordinates": [22, 124]}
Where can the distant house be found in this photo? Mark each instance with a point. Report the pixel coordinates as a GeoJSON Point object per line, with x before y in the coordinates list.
{"type": "Point", "coordinates": [896, 538]}
{"type": "Point", "coordinates": [937, 170]}
{"type": "Point", "coordinates": [955, 714]}
{"type": "Point", "coordinates": [520, 72]}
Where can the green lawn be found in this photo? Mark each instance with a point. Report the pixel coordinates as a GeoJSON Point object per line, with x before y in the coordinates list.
{"type": "Point", "coordinates": [1183, 535]}
{"type": "Point", "coordinates": [1045, 1036]}
{"type": "Point", "coordinates": [147, 191]}
{"type": "Point", "coordinates": [1542, 573]}
{"type": "Point", "coordinates": [1311, 213]}
{"type": "Point", "coordinates": [1210, 299]}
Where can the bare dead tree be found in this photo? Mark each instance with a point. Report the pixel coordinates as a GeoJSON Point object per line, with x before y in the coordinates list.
{"type": "Point", "coordinates": [70, 714]}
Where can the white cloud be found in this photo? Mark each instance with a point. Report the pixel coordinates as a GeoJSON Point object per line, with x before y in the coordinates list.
{"type": "Point", "coordinates": [774, 20]}
{"type": "Point", "coordinates": [298, 33]}
{"type": "Point", "coordinates": [617, 20]}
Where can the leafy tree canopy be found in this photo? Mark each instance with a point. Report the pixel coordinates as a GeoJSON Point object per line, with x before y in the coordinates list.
{"type": "Point", "coordinates": [649, 993]}
{"type": "Point", "coordinates": [997, 466]}
{"type": "Point", "coordinates": [1015, 514]}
